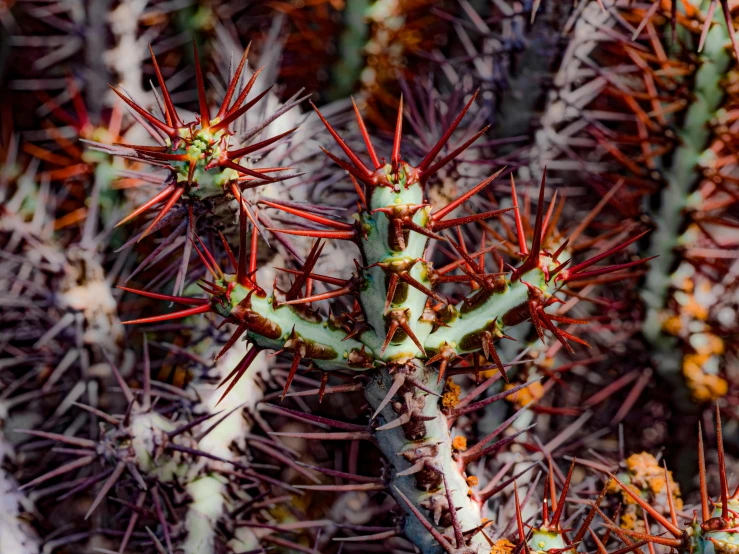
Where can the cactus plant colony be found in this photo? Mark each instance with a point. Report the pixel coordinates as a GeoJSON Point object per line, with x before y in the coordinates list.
{"type": "Point", "coordinates": [480, 307]}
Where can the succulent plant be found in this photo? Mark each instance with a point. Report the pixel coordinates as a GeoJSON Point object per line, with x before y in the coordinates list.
{"type": "Point", "coordinates": [356, 353]}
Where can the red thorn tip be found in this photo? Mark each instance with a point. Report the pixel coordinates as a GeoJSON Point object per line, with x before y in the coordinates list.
{"type": "Point", "coordinates": [157, 296]}
{"type": "Point", "coordinates": [341, 235]}
{"type": "Point", "coordinates": [366, 137]}
{"type": "Point", "coordinates": [440, 214]}
{"type": "Point", "coordinates": [232, 85]}
{"type": "Point", "coordinates": [202, 100]}
{"type": "Point", "coordinates": [364, 171]}
{"type": "Point", "coordinates": [426, 162]}
{"type": "Point", "coordinates": [603, 255]}
{"type": "Point", "coordinates": [395, 159]}
{"type": "Point", "coordinates": [174, 315]}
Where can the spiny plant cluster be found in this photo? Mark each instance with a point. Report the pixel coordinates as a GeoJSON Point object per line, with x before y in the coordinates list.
{"type": "Point", "coordinates": [488, 322]}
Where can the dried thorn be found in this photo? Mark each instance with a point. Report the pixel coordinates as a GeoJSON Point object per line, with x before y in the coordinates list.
{"type": "Point", "coordinates": [426, 524]}
{"type": "Point", "coordinates": [117, 472]}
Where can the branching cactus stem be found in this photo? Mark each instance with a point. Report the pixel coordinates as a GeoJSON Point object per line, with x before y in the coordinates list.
{"type": "Point", "coordinates": [402, 332]}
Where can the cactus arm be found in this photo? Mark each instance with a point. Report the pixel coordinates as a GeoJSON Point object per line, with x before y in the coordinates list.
{"type": "Point", "coordinates": [274, 325]}
{"type": "Point", "coordinates": [492, 314]}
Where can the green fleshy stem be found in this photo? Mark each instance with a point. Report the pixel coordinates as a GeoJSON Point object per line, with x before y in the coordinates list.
{"type": "Point", "coordinates": [272, 327]}
{"type": "Point", "coordinates": [424, 435]}
{"type": "Point", "coordinates": [487, 312]}
{"type": "Point", "coordinates": [348, 69]}
{"type": "Point", "coordinates": [682, 177]}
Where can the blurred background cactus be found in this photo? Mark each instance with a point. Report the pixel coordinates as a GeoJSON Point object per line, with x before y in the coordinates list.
{"type": "Point", "coordinates": [396, 276]}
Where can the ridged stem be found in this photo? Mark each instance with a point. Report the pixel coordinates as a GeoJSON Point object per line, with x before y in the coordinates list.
{"type": "Point", "coordinates": [682, 177]}
{"type": "Point", "coordinates": [422, 441]}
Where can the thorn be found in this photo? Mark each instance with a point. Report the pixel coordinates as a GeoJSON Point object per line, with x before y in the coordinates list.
{"type": "Point", "coordinates": [458, 535]}
{"type": "Point", "coordinates": [391, 287]}
{"type": "Point", "coordinates": [707, 24]}
{"type": "Point", "coordinates": [305, 273]}
{"type": "Point", "coordinates": [167, 129]}
{"type": "Point", "coordinates": [519, 518]}
{"type": "Point", "coordinates": [174, 197]}
{"type": "Point", "coordinates": [366, 137]}
{"type": "Point", "coordinates": [297, 356]}
{"type": "Point", "coordinates": [474, 453]}
{"type": "Point", "coordinates": [235, 113]}
{"type": "Point", "coordinates": [425, 523]}
{"type": "Point", "coordinates": [348, 168]}
{"type": "Point", "coordinates": [61, 470]}
{"type": "Point", "coordinates": [339, 235]}
{"type": "Point", "coordinates": [238, 371]}
{"type": "Point", "coordinates": [722, 467]}
{"type": "Point", "coordinates": [74, 441]}
{"type": "Point", "coordinates": [194, 423]}
{"type": "Point", "coordinates": [232, 85]}
{"type": "Point", "coordinates": [347, 290]}
{"type": "Point", "coordinates": [235, 154]}
{"type": "Point", "coordinates": [519, 224]}
{"type": "Point", "coordinates": [240, 330]}
{"type": "Point", "coordinates": [608, 269]}
{"type": "Point", "coordinates": [179, 299]}
{"type": "Point", "coordinates": [202, 100]}
{"type": "Point", "coordinates": [468, 458]}
{"type": "Point", "coordinates": [670, 503]}
{"type": "Point", "coordinates": [212, 263]}
{"type": "Point", "coordinates": [406, 278]}
{"type": "Point", "coordinates": [562, 497]}
{"type": "Point", "coordinates": [440, 214]}
{"type": "Point", "coordinates": [606, 254]}
{"type": "Point", "coordinates": [309, 216]}
{"type": "Point", "coordinates": [452, 155]}
{"type": "Point", "coordinates": [730, 27]}
{"type": "Point", "coordinates": [148, 204]}
{"type": "Point", "coordinates": [322, 389]}
{"type": "Point", "coordinates": [426, 162]}
{"type": "Point", "coordinates": [395, 159]}
{"type": "Point", "coordinates": [169, 105]}
{"type": "Point", "coordinates": [532, 260]}
{"type": "Point", "coordinates": [229, 252]}
{"type": "Point", "coordinates": [241, 267]}
{"type": "Point", "coordinates": [705, 512]}
{"type": "Point", "coordinates": [174, 315]}
{"type": "Point", "coordinates": [132, 522]}
{"type": "Point", "coordinates": [365, 173]}
{"type": "Point", "coordinates": [457, 412]}
{"type": "Point", "coordinates": [360, 192]}
{"type": "Point", "coordinates": [245, 92]}
{"type": "Point", "coordinates": [667, 541]}
{"type": "Point", "coordinates": [117, 472]}
{"type": "Point", "coordinates": [591, 514]}
{"type": "Point", "coordinates": [440, 226]}
{"type": "Point", "coordinates": [98, 413]}
{"type": "Point", "coordinates": [146, 401]}
{"type": "Point", "coordinates": [398, 382]}
{"type": "Point", "coordinates": [488, 349]}
{"type": "Point", "coordinates": [674, 530]}
{"type": "Point", "coordinates": [246, 171]}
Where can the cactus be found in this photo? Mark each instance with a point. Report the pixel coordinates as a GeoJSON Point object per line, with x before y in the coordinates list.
{"type": "Point", "coordinates": [395, 331]}
{"type": "Point", "coordinates": [328, 363]}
